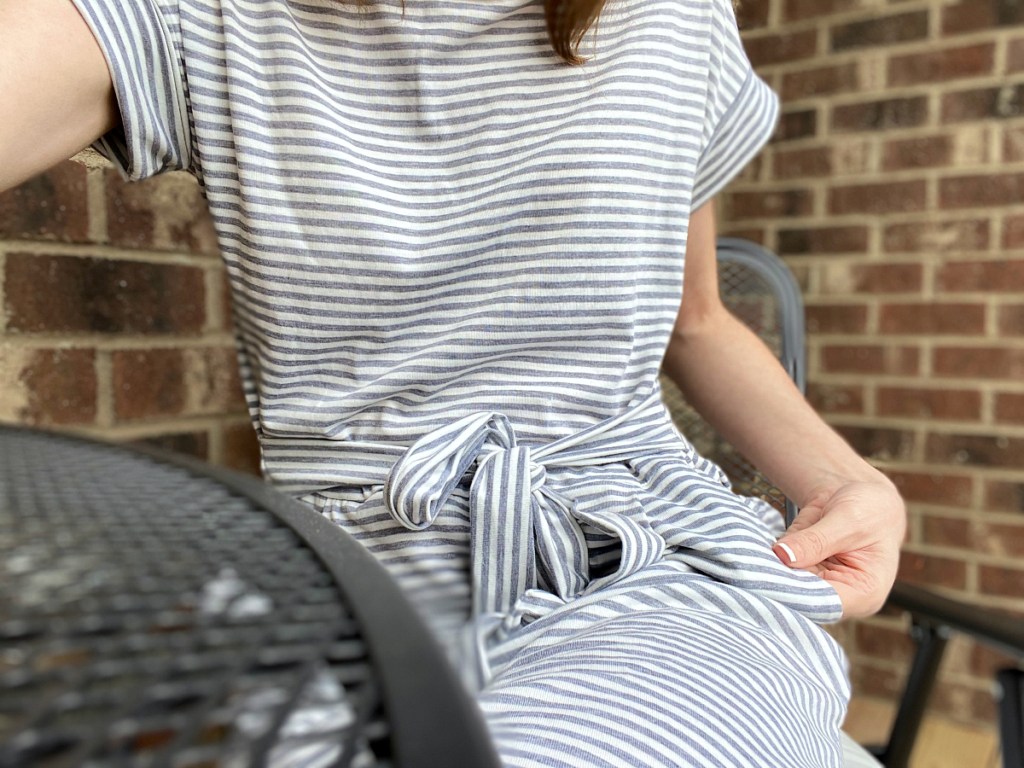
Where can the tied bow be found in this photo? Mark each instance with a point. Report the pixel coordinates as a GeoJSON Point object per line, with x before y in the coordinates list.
{"type": "Point", "coordinates": [525, 535]}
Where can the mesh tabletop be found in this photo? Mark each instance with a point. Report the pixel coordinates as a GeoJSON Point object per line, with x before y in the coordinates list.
{"type": "Point", "coordinates": [151, 614]}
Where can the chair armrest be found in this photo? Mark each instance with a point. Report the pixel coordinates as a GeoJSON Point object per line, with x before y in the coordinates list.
{"type": "Point", "coordinates": [935, 619]}
{"type": "Point", "coordinates": [1001, 631]}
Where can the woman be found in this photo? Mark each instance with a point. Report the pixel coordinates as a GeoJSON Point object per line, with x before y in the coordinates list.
{"type": "Point", "coordinates": [457, 262]}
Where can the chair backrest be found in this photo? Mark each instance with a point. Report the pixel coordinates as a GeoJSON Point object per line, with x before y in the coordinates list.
{"type": "Point", "coordinates": [760, 290]}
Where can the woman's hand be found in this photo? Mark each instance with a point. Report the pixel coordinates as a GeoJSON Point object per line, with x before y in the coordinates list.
{"type": "Point", "coordinates": [850, 535]}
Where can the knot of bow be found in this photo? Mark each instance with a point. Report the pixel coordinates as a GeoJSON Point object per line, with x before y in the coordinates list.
{"type": "Point", "coordinates": [524, 534]}
{"type": "Point", "coordinates": [521, 531]}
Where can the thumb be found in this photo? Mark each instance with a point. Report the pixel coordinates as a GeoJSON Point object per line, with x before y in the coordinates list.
{"type": "Point", "coordinates": [810, 546]}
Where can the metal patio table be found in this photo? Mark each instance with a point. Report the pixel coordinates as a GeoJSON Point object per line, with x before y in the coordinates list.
{"type": "Point", "coordinates": [155, 611]}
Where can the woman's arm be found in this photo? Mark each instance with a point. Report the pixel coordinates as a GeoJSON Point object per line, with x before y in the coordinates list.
{"type": "Point", "coordinates": [56, 94]}
{"type": "Point", "coordinates": [852, 520]}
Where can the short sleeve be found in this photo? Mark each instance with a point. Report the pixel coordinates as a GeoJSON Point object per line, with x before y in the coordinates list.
{"type": "Point", "coordinates": [741, 109]}
{"type": "Point", "coordinates": [141, 42]}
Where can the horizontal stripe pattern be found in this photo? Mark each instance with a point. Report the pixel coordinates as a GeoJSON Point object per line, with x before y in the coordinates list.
{"type": "Point", "coordinates": [400, 192]}
{"type": "Point", "coordinates": [455, 265]}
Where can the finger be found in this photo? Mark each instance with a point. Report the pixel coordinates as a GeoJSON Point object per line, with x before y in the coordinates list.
{"type": "Point", "coordinates": [806, 517]}
{"type": "Point", "coordinates": [832, 534]}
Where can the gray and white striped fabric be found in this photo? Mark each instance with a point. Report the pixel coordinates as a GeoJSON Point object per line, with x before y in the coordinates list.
{"type": "Point", "coordinates": [455, 265]}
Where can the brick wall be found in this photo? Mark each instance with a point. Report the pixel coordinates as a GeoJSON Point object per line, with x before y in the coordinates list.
{"type": "Point", "coordinates": [115, 313]}
{"type": "Point", "coordinates": [895, 190]}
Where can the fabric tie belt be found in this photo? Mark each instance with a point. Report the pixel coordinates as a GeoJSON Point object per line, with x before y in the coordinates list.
{"type": "Point", "coordinates": [526, 537]}
{"type": "Point", "coordinates": [525, 534]}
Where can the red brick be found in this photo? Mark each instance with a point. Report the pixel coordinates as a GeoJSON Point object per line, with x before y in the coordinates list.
{"type": "Point", "coordinates": [934, 488]}
{"type": "Point", "coordinates": [796, 124]}
{"type": "Point", "coordinates": [71, 294]}
{"type": "Point", "coordinates": [880, 31]}
{"type": "Point", "coordinates": [765, 50]}
{"type": "Point", "coordinates": [987, 190]}
{"type": "Point", "coordinates": [1010, 320]}
{"type": "Point", "coordinates": [213, 382]}
{"type": "Point", "coordinates": [820, 81]}
{"type": "Point", "coordinates": [880, 443]}
{"type": "Point", "coordinates": [895, 361]}
{"type": "Point", "coordinates": [802, 163]}
{"type": "Point", "coordinates": [227, 315]}
{"type": "Point", "coordinates": [833, 318]}
{"type": "Point", "coordinates": [887, 278]}
{"type": "Point", "coordinates": [943, 65]}
{"type": "Point", "coordinates": [984, 276]}
{"type": "Point", "coordinates": [754, 234]}
{"type": "Point", "coordinates": [936, 236]}
{"type": "Point", "coordinates": [883, 642]}
{"type": "Point", "coordinates": [881, 198]}
{"type": "Point", "coordinates": [975, 450]}
{"type": "Point", "coordinates": [172, 382]}
{"type": "Point", "coordinates": [836, 398]}
{"type": "Point", "coordinates": [61, 387]}
{"type": "Point", "coordinates": [769, 204]}
{"type": "Point", "coordinates": [946, 532]}
{"type": "Point", "coordinates": [960, 404]}
{"type": "Point", "coordinates": [868, 680]}
{"type": "Point", "coordinates": [881, 115]}
{"type": "Point", "coordinates": [979, 362]}
{"type": "Point", "coordinates": [932, 319]}
{"type": "Point", "coordinates": [1013, 145]}
{"type": "Point", "coordinates": [1009, 408]}
{"type": "Point", "coordinates": [844, 278]}
{"type": "Point", "coordinates": [149, 384]}
{"type": "Point", "coordinates": [751, 14]}
{"type": "Point", "coordinates": [241, 449]}
{"type": "Point", "coordinates": [1002, 582]}
{"type": "Point", "coordinates": [973, 15]}
{"type": "Point", "coordinates": [802, 273]}
{"type": "Point", "coordinates": [932, 571]}
{"type": "Point", "coordinates": [1013, 233]}
{"type": "Point", "coordinates": [801, 10]}
{"type": "Point", "coordinates": [1004, 496]}
{"type": "Point", "coordinates": [927, 152]}
{"type": "Point", "coordinates": [166, 213]}
{"type": "Point", "coordinates": [985, 661]}
{"type": "Point", "coordinates": [51, 206]}
{"type": "Point", "coordinates": [1001, 540]}
{"type": "Point", "coordinates": [1015, 56]}
{"type": "Point", "coordinates": [983, 104]}
{"type": "Point", "coordinates": [822, 240]}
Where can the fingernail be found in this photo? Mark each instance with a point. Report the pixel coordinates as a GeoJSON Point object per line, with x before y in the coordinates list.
{"type": "Point", "coordinates": [789, 552]}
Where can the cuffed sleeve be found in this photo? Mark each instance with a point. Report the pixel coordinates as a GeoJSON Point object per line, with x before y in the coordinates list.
{"type": "Point", "coordinates": [741, 110]}
{"type": "Point", "coordinates": [141, 42]}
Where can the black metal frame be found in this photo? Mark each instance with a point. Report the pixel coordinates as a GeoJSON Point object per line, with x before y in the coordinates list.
{"type": "Point", "coordinates": [934, 618]}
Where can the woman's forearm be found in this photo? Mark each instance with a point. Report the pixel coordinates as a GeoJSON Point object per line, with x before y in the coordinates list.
{"type": "Point", "coordinates": [737, 385]}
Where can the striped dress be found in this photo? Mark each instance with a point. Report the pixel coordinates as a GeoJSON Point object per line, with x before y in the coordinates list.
{"type": "Point", "coordinates": [455, 264]}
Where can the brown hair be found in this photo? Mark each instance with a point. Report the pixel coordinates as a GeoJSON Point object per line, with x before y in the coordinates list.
{"type": "Point", "coordinates": [568, 21]}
